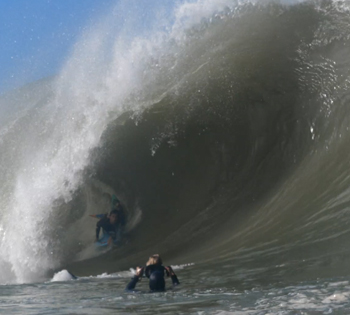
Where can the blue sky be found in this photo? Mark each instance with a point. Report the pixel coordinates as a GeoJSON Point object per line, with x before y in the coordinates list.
{"type": "Point", "coordinates": [37, 35]}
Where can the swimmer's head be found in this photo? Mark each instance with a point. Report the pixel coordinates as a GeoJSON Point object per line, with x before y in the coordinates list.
{"type": "Point", "coordinates": [154, 260]}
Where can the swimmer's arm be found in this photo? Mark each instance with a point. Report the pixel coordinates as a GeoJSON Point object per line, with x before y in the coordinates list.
{"type": "Point", "coordinates": [132, 284]}
{"type": "Point", "coordinates": [175, 280]}
{"type": "Point", "coordinates": [173, 276]}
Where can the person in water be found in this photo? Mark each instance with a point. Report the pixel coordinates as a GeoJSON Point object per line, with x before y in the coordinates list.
{"type": "Point", "coordinates": [114, 223]}
{"type": "Point", "coordinates": [121, 221]}
{"type": "Point", "coordinates": [155, 271]}
{"type": "Point", "coordinates": [110, 226]}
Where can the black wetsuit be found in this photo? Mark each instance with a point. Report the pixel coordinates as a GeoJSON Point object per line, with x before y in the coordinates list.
{"type": "Point", "coordinates": [107, 226]}
{"type": "Point", "coordinates": [156, 274]}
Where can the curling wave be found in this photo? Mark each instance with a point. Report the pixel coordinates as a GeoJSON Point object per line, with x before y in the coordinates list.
{"type": "Point", "coordinates": [225, 137]}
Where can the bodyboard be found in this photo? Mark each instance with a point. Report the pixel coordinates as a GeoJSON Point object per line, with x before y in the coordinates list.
{"type": "Point", "coordinates": [103, 241]}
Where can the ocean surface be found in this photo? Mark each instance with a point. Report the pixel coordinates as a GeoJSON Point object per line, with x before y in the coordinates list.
{"type": "Point", "coordinates": [223, 128]}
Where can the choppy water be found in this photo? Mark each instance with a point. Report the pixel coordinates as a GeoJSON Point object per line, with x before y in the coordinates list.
{"type": "Point", "coordinates": [201, 292]}
{"type": "Point", "coordinates": [224, 130]}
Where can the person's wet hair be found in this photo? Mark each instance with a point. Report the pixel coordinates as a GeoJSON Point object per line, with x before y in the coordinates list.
{"type": "Point", "coordinates": [154, 260]}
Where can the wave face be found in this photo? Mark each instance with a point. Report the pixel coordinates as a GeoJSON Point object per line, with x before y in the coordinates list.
{"type": "Point", "coordinates": [224, 132]}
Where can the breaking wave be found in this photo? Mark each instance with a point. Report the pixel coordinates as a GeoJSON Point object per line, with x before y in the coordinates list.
{"type": "Point", "coordinates": [224, 133]}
